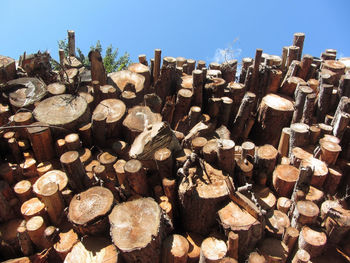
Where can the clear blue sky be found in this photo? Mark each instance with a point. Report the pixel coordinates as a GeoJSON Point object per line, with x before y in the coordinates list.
{"type": "Point", "coordinates": [192, 29]}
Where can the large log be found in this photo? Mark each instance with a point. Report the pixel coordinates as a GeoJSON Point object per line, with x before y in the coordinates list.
{"type": "Point", "coordinates": [275, 112]}
{"type": "Point", "coordinates": [88, 210]}
{"type": "Point", "coordinates": [138, 228]}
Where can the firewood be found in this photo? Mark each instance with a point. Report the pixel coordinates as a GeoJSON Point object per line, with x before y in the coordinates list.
{"type": "Point", "coordinates": [120, 172]}
{"type": "Point", "coordinates": [255, 257]}
{"type": "Point", "coordinates": [54, 176]}
{"type": "Point", "coordinates": [225, 112]}
{"type": "Point", "coordinates": [284, 179]}
{"type": "Point", "coordinates": [182, 106]}
{"type": "Point", "coordinates": [265, 161]}
{"type": "Point", "coordinates": [33, 207]}
{"type": "Point", "coordinates": [233, 218]}
{"type": "Point", "coordinates": [18, 260]}
{"type": "Point", "coordinates": [298, 40]}
{"type": "Point", "coordinates": [313, 241]}
{"type": "Point", "coordinates": [24, 241]}
{"type": "Point", "coordinates": [66, 242]}
{"type": "Point", "coordinates": [301, 93]}
{"type": "Point", "coordinates": [265, 197]}
{"type": "Point", "coordinates": [337, 224]}
{"type": "Point", "coordinates": [305, 213]}
{"type": "Point", "coordinates": [93, 249]}
{"type": "Point", "coordinates": [329, 152]}
{"type": "Point", "coordinates": [23, 190]}
{"type": "Point", "coordinates": [243, 171]}
{"type": "Point", "coordinates": [144, 245]}
{"type": "Point", "coordinates": [51, 197]}
{"type": "Point", "coordinates": [301, 256]}
{"type": "Point", "coordinates": [299, 135]}
{"type": "Point", "coordinates": [335, 66]}
{"type": "Point", "coordinates": [276, 224]}
{"type": "Point", "coordinates": [283, 145]}
{"type": "Point", "coordinates": [344, 86]}
{"type": "Point", "coordinates": [175, 249]}
{"type": "Point", "coordinates": [333, 179]}
{"type": "Point", "coordinates": [56, 89]}
{"type": "Point", "coordinates": [88, 210]}
{"type": "Point", "coordinates": [305, 67]}
{"type": "Point", "coordinates": [246, 63]}
{"type": "Point", "coordinates": [200, 192]}
{"type": "Point", "coordinates": [308, 109]}
{"type": "Point", "coordinates": [15, 150]}
{"type": "Point", "coordinates": [144, 71]}
{"type": "Point", "coordinates": [226, 153]}
{"type": "Point", "coordinates": [74, 169]}
{"type": "Point", "coordinates": [340, 124]}
{"type": "Point", "coordinates": [44, 167]}
{"type": "Point", "coordinates": [228, 69]}
{"type": "Point", "coordinates": [197, 76]}
{"type": "Point", "coordinates": [232, 245]}
{"type": "Point", "coordinates": [212, 250]}
{"type": "Point", "coordinates": [136, 177]}
{"type": "Point", "coordinates": [64, 110]}
{"type": "Point", "coordinates": [164, 162]}
{"type": "Point", "coordinates": [324, 100]}
{"type": "Point", "coordinates": [8, 69]}
{"type": "Point", "coordinates": [275, 113]}
{"type": "Point", "coordinates": [315, 195]}
{"type": "Point", "coordinates": [35, 227]}
{"type": "Point", "coordinates": [284, 204]}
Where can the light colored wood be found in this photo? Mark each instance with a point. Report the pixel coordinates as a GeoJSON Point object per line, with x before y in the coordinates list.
{"type": "Point", "coordinates": [284, 179]}
{"type": "Point", "coordinates": [66, 242]}
{"type": "Point", "coordinates": [313, 241]}
{"type": "Point", "coordinates": [35, 227]}
{"type": "Point", "coordinates": [175, 249]}
{"type": "Point", "coordinates": [212, 250]}
{"type": "Point", "coordinates": [74, 169]}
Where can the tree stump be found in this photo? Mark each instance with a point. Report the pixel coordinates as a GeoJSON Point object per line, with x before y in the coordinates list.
{"type": "Point", "coordinates": [284, 178]}
{"type": "Point", "coordinates": [274, 113]}
{"type": "Point", "coordinates": [212, 250]}
{"type": "Point", "coordinates": [200, 197]}
{"type": "Point", "coordinates": [88, 210]}
{"type": "Point", "coordinates": [175, 249]}
{"type": "Point", "coordinates": [313, 241]}
{"type": "Point", "coordinates": [238, 220]}
{"type": "Point", "coordinates": [137, 230]}
{"type": "Point", "coordinates": [93, 249]}
{"type": "Point", "coordinates": [64, 111]}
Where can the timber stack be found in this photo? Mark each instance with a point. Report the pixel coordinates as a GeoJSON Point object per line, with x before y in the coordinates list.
{"type": "Point", "coordinates": [175, 160]}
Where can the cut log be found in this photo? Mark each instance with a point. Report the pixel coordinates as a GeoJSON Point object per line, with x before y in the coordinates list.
{"type": "Point", "coordinates": [35, 227]}
{"type": "Point", "coordinates": [88, 210]}
{"type": "Point", "coordinates": [324, 101]}
{"type": "Point", "coordinates": [157, 61]}
{"type": "Point", "coordinates": [315, 195]}
{"type": "Point", "coordinates": [284, 179]}
{"type": "Point", "coordinates": [238, 220]}
{"type": "Point", "coordinates": [283, 145]}
{"type": "Point", "coordinates": [320, 171]}
{"type": "Point", "coordinates": [74, 169]}
{"type": "Point", "coordinates": [136, 177]}
{"type": "Point", "coordinates": [333, 179]}
{"type": "Point", "coordinates": [54, 176]}
{"type": "Point", "coordinates": [301, 93]}
{"type": "Point", "coordinates": [93, 249]}
{"type": "Point", "coordinates": [137, 230]}
{"type": "Point", "coordinates": [265, 198]}
{"type": "Point", "coordinates": [144, 71]}
{"type": "Point", "coordinates": [305, 213]}
{"type": "Point", "coordinates": [226, 156]}
{"type": "Point", "coordinates": [23, 190]}
{"type": "Point", "coordinates": [137, 120]}
{"type": "Point", "coordinates": [126, 80]}
{"type": "Point", "coordinates": [33, 207]}
{"type": "Point", "coordinates": [175, 249]}
{"type": "Point", "coordinates": [200, 197]}
{"type": "Point", "coordinates": [41, 141]}
{"type": "Point", "coordinates": [66, 242]}
{"type": "Point", "coordinates": [232, 245]}
{"type": "Point", "coordinates": [182, 106]}
{"type": "Point", "coordinates": [212, 250]}
{"type": "Point", "coordinates": [98, 71]}
{"type": "Point", "coordinates": [302, 256]}
{"type": "Point", "coordinates": [265, 161]}
{"type": "Point", "coordinates": [24, 241]}
{"type": "Point", "coordinates": [195, 242]}
{"type": "Point", "coordinates": [284, 204]}
{"type": "Point", "coordinates": [255, 257]}
{"type": "Point", "coordinates": [277, 224]}
{"type": "Point", "coordinates": [56, 88]}
{"type": "Point", "coordinates": [18, 260]}
{"type": "Point", "coordinates": [197, 76]}
{"type": "Point", "coordinates": [297, 155]}
{"type": "Point", "coordinates": [275, 113]}
{"type": "Point", "coordinates": [65, 111]}
{"type": "Point", "coordinates": [290, 84]}
{"type": "Point", "coordinates": [7, 69]}
{"type": "Point", "coordinates": [313, 241]}
{"type": "Point", "coordinates": [273, 250]}
{"type": "Point", "coordinates": [299, 136]}
{"type": "Point", "coordinates": [337, 224]}
{"type": "Point", "coordinates": [329, 152]}
{"type": "Point", "coordinates": [309, 107]}
{"type": "Point", "coordinates": [164, 162]}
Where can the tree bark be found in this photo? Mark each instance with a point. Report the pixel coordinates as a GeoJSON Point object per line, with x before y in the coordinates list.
{"type": "Point", "coordinates": [284, 179]}
{"type": "Point", "coordinates": [313, 241]}
{"type": "Point", "coordinates": [74, 169]}
{"type": "Point", "coordinates": [136, 177]}
{"type": "Point", "coordinates": [175, 249]}
{"type": "Point", "coordinates": [298, 41]}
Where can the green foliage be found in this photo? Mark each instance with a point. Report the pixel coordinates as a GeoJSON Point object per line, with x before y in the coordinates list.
{"type": "Point", "coordinates": [111, 61]}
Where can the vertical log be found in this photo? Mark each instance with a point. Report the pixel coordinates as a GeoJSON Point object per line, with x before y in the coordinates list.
{"type": "Point", "coordinates": [298, 40]}
{"type": "Point", "coordinates": [23, 190]}
{"type": "Point", "coordinates": [136, 177]}
{"type": "Point", "coordinates": [197, 76]}
{"type": "Point", "coordinates": [182, 106]}
{"type": "Point", "coordinates": [313, 241]}
{"type": "Point", "coordinates": [290, 237]}
{"type": "Point", "coordinates": [156, 68]}
{"type": "Point", "coordinates": [143, 59]}
{"type": "Point", "coordinates": [74, 169]}
{"type": "Point", "coordinates": [265, 161]}
{"type": "Point", "coordinates": [226, 156]}
{"type": "Point", "coordinates": [164, 162]}
{"type": "Point", "coordinates": [35, 228]}
{"type": "Point", "coordinates": [246, 62]}
{"type": "Point", "coordinates": [293, 54]}
{"type": "Point", "coordinates": [305, 67]}
{"type": "Point", "coordinates": [24, 241]}
{"type": "Point", "coordinates": [300, 96]}
{"type": "Point", "coordinates": [254, 84]}
{"type": "Point", "coordinates": [212, 250]}
{"type": "Point", "coordinates": [175, 249]}
{"type": "Point", "coordinates": [71, 43]}
{"type": "Point", "coordinates": [232, 245]}
{"type": "Point", "coordinates": [98, 71]}
{"type": "Point", "coordinates": [299, 135]}
{"type": "Point", "coordinates": [305, 213]}
{"type": "Point", "coordinates": [41, 141]}
{"type": "Point", "coordinates": [283, 146]}
{"type": "Point", "coordinates": [275, 77]}
{"type": "Point", "coordinates": [344, 86]}
{"type": "Point", "coordinates": [302, 256]}
{"type": "Point", "coordinates": [341, 124]}
{"type": "Point", "coordinates": [308, 110]}
{"type": "Point", "coordinates": [324, 100]}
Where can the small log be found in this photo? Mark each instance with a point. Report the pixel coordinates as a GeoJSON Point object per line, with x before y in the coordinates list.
{"type": "Point", "coordinates": [232, 245]}
{"type": "Point", "coordinates": [226, 156]}
{"type": "Point", "coordinates": [136, 177]}
{"type": "Point", "coordinates": [71, 43]}
{"type": "Point", "coordinates": [51, 197]}
{"type": "Point", "coordinates": [276, 224]}
{"type": "Point", "coordinates": [344, 86]}
{"type": "Point", "coordinates": [299, 135]}
{"type": "Point", "coordinates": [24, 241]}
{"type": "Point", "coordinates": [290, 238]}
{"type": "Point", "coordinates": [33, 207]}
{"type": "Point", "coordinates": [341, 124]}
{"type": "Point", "coordinates": [275, 77]}
{"type": "Point", "coordinates": [273, 250]}
{"type": "Point", "coordinates": [284, 179]}
{"type": "Point", "coordinates": [324, 101]}
{"type": "Point", "coordinates": [66, 242]}
{"type": "Point", "coordinates": [98, 71]}
{"type": "Point", "coordinates": [305, 67]}
{"type": "Point", "coordinates": [301, 93]}
{"type": "Point", "coordinates": [175, 249]}
{"type": "Point", "coordinates": [23, 190]}
{"type": "Point", "coordinates": [305, 213]}
{"type": "Point", "coordinates": [243, 171]}
{"type": "Point", "coordinates": [233, 218]}
{"type": "Point", "coordinates": [74, 169]}
{"type": "Point", "coordinates": [41, 141]}
{"type": "Point", "coordinates": [54, 176]}
{"type": "Point", "coordinates": [329, 152]}
{"type": "Point", "coordinates": [283, 145]}
{"type": "Point", "coordinates": [8, 69]}
{"type": "Point", "coordinates": [309, 106]}
{"type": "Point", "coordinates": [228, 70]}
{"type": "Point", "coordinates": [333, 179]}
{"type": "Point", "coordinates": [145, 215]}
{"type": "Point", "coordinates": [197, 76]}
{"type": "Point", "coordinates": [157, 61]}
{"type": "Point", "coordinates": [43, 168]}
{"type": "Point", "coordinates": [28, 168]}
{"type": "Point", "coordinates": [56, 88]}
{"type": "Point", "coordinates": [212, 250]}
{"type": "Point", "coordinates": [265, 161]}
{"type": "Point", "coordinates": [22, 119]}
{"type": "Point", "coordinates": [315, 195]}
{"type": "Point", "coordinates": [302, 256]}
{"type": "Point", "coordinates": [18, 260]}
{"type": "Point", "coordinates": [88, 210]}
{"type": "Point", "coordinates": [275, 113]}
{"type": "Point", "coordinates": [284, 204]}
{"type": "Point", "coordinates": [236, 94]}
{"type": "Point", "coordinates": [255, 257]}
{"type": "Point", "coordinates": [246, 63]}
{"type": "Point", "coordinates": [336, 67]}
{"type": "Point", "coordinates": [182, 106]}
{"type": "Point", "coordinates": [336, 224]}
{"type": "Point", "coordinates": [313, 241]}
{"type": "Point", "coordinates": [35, 227]}
{"type": "Point", "coordinates": [93, 249]}
{"type": "Point", "coordinates": [164, 162]}
{"type": "Point", "coordinates": [298, 41]}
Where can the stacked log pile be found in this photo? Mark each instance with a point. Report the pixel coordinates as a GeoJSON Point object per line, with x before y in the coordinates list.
{"type": "Point", "coordinates": [171, 161]}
